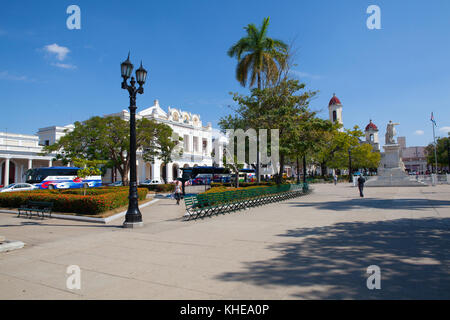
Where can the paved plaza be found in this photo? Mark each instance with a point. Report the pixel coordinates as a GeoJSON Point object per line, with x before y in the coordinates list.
{"type": "Point", "coordinates": [314, 247]}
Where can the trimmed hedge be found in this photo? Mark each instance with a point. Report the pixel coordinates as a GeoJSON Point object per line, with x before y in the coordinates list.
{"type": "Point", "coordinates": [97, 201]}
{"type": "Point", "coordinates": [168, 187]}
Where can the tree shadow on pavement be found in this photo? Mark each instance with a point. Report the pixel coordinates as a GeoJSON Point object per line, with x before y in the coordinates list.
{"type": "Point", "coordinates": [391, 204]}
{"type": "Point", "coordinates": [413, 256]}
{"type": "Point", "coordinates": [42, 224]}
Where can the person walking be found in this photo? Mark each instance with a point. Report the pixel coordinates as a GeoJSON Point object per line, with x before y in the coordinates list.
{"type": "Point", "coordinates": [178, 192]}
{"type": "Point", "coordinates": [361, 182]}
{"type": "Point", "coordinates": [335, 178]}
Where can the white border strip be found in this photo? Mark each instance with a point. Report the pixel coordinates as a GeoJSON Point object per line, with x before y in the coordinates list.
{"type": "Point", "coordinates": [91, 219]}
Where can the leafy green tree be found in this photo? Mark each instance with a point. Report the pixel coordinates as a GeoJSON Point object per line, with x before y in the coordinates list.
{"type": "Point", "coordinates": [307, 139]}
{"type": "Point", "coordinates": [335, 147]}
{"type": "Point", "coordinates": [108, 138]}
{"type": "Point", "coordinates": [363, 157]}
{"type": "Point", "coordinates": [334, 152]}
{"type": "Point", "coordinates": [441, 152]}
{"type": "Point", "coordinates": [283, 106]}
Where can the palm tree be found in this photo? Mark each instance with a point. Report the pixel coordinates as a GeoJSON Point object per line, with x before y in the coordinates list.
{"type": "Point", "coordinates": [258, 56]}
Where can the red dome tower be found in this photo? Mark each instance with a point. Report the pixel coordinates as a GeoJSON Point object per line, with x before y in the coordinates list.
{"type": "Point", "coordinates": [335, 110]}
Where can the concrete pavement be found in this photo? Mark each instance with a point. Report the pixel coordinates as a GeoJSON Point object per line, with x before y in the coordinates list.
{"type": "Point", "coordinates": [314, 247]}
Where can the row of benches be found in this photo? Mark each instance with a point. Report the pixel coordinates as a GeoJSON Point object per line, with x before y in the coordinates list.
{"type": "Point", "coordinates": [207, 204]}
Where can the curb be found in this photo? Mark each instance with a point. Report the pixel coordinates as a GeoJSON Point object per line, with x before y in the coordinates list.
{"type": "Point", "coordinates": [9, 245]}
{"type": "Point", "coordinates": [90, 219]}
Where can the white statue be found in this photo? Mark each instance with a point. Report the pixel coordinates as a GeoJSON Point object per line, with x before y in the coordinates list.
{"type": "Point", "coordinates": [390, 132]}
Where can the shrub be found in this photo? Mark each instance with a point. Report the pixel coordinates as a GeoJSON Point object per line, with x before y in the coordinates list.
{"type": "Point", "coordinates": [224, 188]}
{"type": "Point", "coordinates": [96, 202]}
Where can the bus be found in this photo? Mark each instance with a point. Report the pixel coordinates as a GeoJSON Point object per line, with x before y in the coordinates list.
{"type": "Point", "coordinates": [247, 175]}
{"type": "Point", "coordinates": [206, 174]}
{"type": "Point", "coordinates": [60, 178]}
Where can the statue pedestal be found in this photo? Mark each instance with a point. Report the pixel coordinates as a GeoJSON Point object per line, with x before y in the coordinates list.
{"type": "Point", "coordinates": [391, 171]}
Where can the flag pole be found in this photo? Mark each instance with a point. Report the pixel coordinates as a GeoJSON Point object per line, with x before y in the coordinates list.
{"type": "Point", "coordinates": [435, 145]}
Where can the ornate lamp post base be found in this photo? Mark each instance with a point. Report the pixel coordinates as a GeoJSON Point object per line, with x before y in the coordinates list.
{"type": "Point", "coordinates": [133, 224]}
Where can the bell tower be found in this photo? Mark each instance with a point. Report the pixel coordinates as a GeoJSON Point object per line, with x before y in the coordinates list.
{"type": "Point", "coordinates": [335, 110]}
{"type": "Point", "coordinates": [372, 136]}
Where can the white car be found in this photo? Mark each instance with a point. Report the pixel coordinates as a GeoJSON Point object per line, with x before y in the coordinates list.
{"type": "Point", "coordinates": [150, 182]}
{"type": "Point", "coordinates": [18, 187]}
{"type": "Point", "coordinates": [116, 184]}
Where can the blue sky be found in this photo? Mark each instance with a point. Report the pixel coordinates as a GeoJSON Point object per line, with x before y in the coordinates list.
{"type": "Point", "coordinates": [50, 75]}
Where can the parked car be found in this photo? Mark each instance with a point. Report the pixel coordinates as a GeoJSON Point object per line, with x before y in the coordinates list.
{"type": "Point", "coordinates": [18, 187]}
{"type": "Point", "coordinates": [116, 184]}
{"type": "Point", "coordinates": [150, 182]}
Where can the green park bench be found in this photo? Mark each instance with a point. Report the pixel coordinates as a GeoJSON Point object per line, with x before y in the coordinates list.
{"type": "Point", "coordinates": [40, 208]}
{"type": "Point", "coordinates": [207, 204]}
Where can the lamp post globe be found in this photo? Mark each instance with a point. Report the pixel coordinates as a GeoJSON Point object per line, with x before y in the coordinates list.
{"type": "Point", "coordinates": [141, 75]}
{"type": "Point", "coordinates": [126, 68]}
{"type": "Point", "coordinates": [133, 217]}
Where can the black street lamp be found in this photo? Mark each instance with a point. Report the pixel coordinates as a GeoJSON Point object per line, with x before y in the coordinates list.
{"type": "Point", "coordinates": [133, 217]}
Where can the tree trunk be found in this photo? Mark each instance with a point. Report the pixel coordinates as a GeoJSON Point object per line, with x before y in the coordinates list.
{"type": "Point", "coordinates": [124, 174]}
{"type": "Point", "coordinates": [280, 174]}
{"type": "Point", "coordinates": [298, 171]}
{"type": "Point", "coordinates": [323, 168]}
{"type": "Point", "coordinates": [304, 168]}
{"type": "Point", "coordinates": [258, 164]}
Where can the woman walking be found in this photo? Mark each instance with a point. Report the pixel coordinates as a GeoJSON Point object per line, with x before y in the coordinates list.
{"type": "Point", "coordinates": [178, 192]}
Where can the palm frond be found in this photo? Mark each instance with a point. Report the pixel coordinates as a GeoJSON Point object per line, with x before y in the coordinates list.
{"type": "Point", "coordinates": [243, 68]}
{"type": "Point", "coordinates": [264, 29]}
{"type": "Point", "coordinates": [271, 70]}
{"type": "Point", "coordinates": [243, 45]}
{"type": "Point", "coordinates": [252, 31]}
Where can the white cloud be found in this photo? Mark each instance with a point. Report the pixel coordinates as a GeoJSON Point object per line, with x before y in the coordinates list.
{"type": "Point", "coordinates": [5, 75]}
{"type": "Point", "coordinates": [64, 65]}
{"type": "Point", "coordinates": [419, 132]}
{"type": "Point", "coordinates": [301, 74]}
{"type": "Point", "coordinates": [61, 52]}
{"type": "Point", "coordinates": [444, 129]}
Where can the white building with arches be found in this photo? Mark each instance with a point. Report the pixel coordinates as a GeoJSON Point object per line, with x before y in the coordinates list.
{"type": "Point", "coordinates": [18, 153]}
